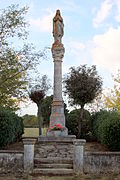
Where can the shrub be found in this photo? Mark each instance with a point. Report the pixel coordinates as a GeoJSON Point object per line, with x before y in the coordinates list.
{"type": "Point", "coordinates": [95, 120]}
{"type": "Point", "coordinates": [11, 127]}
{"type": "Point", "coordinates": [106, 128]}
{"type": "Point", "coordinates": [72, 123]}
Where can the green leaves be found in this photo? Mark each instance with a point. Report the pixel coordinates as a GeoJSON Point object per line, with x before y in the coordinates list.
{"type": "Point", "coordinates": [82, 84]}
{"type": "Point", "coordinates": [113, 99]}
{"type": "Point", "coordinates": [106, 128]}
{"type": "Point", "coordinates": [11, 127]}
{"type": "Point", "coordinates": [13, 23]}
{"type": "Point", "coordinates": [15, 64]}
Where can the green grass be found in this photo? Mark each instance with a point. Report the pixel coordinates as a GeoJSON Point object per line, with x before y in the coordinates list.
{"type": "Point", "coordinates": [33, 132]}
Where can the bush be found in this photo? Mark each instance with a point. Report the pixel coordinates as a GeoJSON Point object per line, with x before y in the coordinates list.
{"type": "Point", "coordinates": [11, 127]}
{"type": "Point", "coordinates": [106, 128]}
{"type": "Point", "coordinates": [96, 120]}
{"type": "Point", "coordinates": [72, 123]}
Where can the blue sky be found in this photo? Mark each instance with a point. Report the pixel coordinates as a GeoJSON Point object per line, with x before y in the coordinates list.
{"type": "Point", "coordinates": [91, 33]}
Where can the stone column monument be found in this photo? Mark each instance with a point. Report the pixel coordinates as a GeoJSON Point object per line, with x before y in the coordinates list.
{"type": "Point", "coordinates": [58, 50]}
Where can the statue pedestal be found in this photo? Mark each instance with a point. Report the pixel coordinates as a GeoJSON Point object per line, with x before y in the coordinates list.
{"type": "Point", "coordinates": [58, 133]}
{"type": "Point", "coordinates": [50, 138]}
{"type": "Point", "coordinates": [57, 112]}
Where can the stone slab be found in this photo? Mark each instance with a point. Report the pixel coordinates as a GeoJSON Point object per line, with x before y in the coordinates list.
{"type": "Point", "coordinates": [53, 171]}
{"type": "Point", "coordinates": [53, 160]}
{"type": "Point", "coordinates": [62, 139]}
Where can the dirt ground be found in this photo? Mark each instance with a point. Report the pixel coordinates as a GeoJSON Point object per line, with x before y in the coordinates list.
{"type": "Point", "coordinates": [89, 146]}
{"type": "Point", "coordinates": [80, 177]}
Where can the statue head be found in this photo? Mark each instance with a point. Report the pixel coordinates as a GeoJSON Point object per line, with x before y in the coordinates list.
{"type": "Point", "coordinates": [58, 12]}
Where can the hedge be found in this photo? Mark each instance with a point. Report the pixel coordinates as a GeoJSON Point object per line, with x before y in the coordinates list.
{"type": "Point", "coordinates": [11, 127]}
{"type": "Point", "coordinates": [72, 123]}
{"type": "Point", "coordinates": [106, 128]}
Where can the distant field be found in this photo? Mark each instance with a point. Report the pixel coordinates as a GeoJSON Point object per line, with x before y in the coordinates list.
{"type": "Point", "coordinates": [33, 132]}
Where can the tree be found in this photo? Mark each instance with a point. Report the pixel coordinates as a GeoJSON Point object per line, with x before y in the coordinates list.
{"type": "Point", "coordinates": [98, 103]}
{"type": "Point", "coordinates": [46, 109]}
{"type": "Point", "coordinates": [113, 99]}
{"type": "Point", "coordinates": [82, 85]}
{"type": "Point", "coordinates": [37, 94]}
{"type": "Point", "coordinates": [15, 63]}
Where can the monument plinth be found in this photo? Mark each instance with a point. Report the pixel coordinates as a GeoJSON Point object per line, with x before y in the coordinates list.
{"type": "Point", "coordinates": [58, 50]}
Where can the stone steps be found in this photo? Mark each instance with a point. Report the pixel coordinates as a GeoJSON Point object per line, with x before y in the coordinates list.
{"type": "Point", "coordinates": [54, 171]}
{"type": "Point", "coordinates": [53, 157]}
{"type": "Point", "coordinates": [52, 160]}
{"type": "Point", "coordinates": [57, 166]}
{"type": "Point", "coordinates": [53, 166]}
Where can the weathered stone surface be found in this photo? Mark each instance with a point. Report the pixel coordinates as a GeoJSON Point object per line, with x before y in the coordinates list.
{"type": "Point", "coordinates": [28, 154]}
{"type": "Point", "coordinates": [53, 171]}
{"type": "Point", "coordinates": [102, 162]}
{"type": "Point", "coordinates": [60, 139]}
{"type": "Point", "coordinates": [57, 114]}
{"type": "Point", "coordinates": [11, 161]}
{"type": "Point", "coordinates": [78, 158]}
{"type": "Point", "coordinates": [57, 150]}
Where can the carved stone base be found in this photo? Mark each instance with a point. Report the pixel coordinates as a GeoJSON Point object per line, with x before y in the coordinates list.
{"type": "Point", "coordinates": [57, 114]}
{"type": "Point", "coordinates": [58, 133]}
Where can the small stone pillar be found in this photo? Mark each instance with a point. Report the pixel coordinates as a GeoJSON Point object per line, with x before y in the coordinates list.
{"type": "Point", "coordinates": [28, 154]}
{"type": "Point", "coordinates": [78, 159]}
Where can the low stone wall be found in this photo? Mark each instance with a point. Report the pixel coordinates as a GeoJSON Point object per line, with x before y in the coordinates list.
{"type": "Point", "coordinates": [11, 161]}
{"type": "Point", "coordinates": [102, 162]}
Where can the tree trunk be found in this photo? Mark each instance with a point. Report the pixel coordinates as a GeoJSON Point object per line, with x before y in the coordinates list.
{"type": "Point", "coordinates": [80, 121]}
{"type": "Point", "coordinates": [39, 119]}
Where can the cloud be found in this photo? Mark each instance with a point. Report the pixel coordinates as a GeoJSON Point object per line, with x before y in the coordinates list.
{"type": "Point", "coordinates": [75, 47]}
{"type": "Point", "coordinates": [103, 12]}
{"type": "Point", "coordinates": [106, 50]}
{"type": "Point", "coordinates": [43, 24]}
{"type": "Point", "coordinates": [27, 108]}
{"type": "Point", "coordinates": [70, 6]}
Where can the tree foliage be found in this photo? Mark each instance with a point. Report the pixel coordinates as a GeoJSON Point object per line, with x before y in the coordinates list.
{"type": "Point", "coordinates": [37, 94]}
{"type": "Point", "coordinates": [11, 127]}
{"type": "Point", "coordinates": [113, 99]}
{"type": "Point", "coordinates": [72, 123]}
{"type": "Point", "coordinates": [82, 85]}
{"type": "Point", "coordinates": [46, 109]}
{"type": "Point", "coordinates": [106, 128]}
{"type": "Point", "coordinates": [15, 63]}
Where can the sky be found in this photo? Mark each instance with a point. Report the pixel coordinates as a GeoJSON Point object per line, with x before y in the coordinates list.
{"type": "Point", "coordinates": [91, 35]}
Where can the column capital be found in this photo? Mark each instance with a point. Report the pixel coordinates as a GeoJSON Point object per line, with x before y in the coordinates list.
{"type": "Point", "coordinates": [29, 141]}
{"type": "Point", "coordinates": [79, 142]}
{"type": "Point", "coordinates": [58, 53]}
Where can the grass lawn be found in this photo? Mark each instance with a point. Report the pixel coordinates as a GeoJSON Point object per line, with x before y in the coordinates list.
{"type": "Point", "coordinates": [33, 132]}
